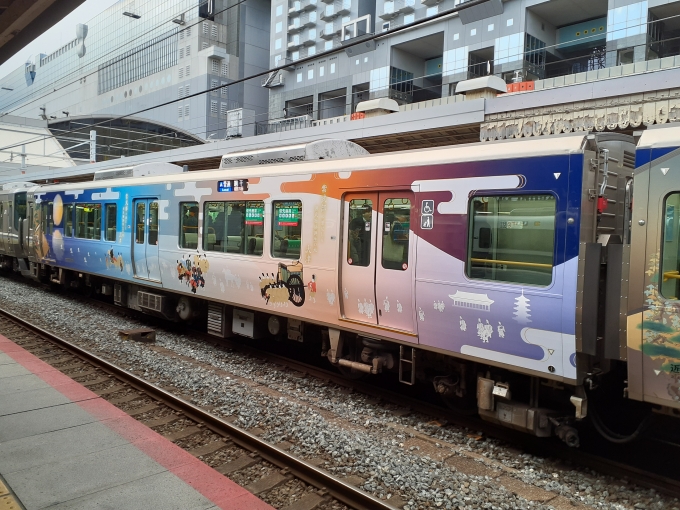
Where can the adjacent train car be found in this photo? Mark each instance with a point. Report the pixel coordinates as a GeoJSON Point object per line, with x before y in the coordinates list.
{"type": "Point", "coordinates": [494, 271]}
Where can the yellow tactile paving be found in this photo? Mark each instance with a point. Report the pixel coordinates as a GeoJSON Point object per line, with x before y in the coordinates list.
{"type": "Point", "coordinates": [8, 503]}
{"type": "Point", "coordinates": [3, 490]}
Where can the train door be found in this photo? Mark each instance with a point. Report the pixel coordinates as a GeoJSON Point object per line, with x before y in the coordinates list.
{"type": "Point", "coordinates": [358, 257]}
{"type": "Point", "coordinates": [377, 259]}
{"type": "Point", "coordinates": [145, 239]}
{"type": "Point", "coordinates": [3, 234]}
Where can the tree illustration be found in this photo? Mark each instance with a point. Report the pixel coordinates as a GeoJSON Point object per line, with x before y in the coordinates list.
{"type": "Point", "coordinates": [522, 309]}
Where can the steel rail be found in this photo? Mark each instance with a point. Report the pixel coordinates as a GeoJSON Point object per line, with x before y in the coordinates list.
{"type": "Point", "coordinates": [337, 488]}
{"type": "Point", "coordinates": [542, 448]}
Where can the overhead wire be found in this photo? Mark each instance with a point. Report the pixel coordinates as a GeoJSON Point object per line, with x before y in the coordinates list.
{"type": "Point", "coordinates": [317, 56]}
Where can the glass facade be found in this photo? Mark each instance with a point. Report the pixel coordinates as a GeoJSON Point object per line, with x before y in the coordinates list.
{"type": "Point", "coordinates": [627, 21]}
{"type": "Point", "coordinates": [146, 59]}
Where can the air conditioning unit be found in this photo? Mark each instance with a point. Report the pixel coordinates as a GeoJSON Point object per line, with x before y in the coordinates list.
{"type": "Point", "coordinates": [240, 122]}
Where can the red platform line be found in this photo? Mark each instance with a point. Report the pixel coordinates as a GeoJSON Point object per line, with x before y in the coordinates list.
{"type": "Point", "coordinates": [213, 485]}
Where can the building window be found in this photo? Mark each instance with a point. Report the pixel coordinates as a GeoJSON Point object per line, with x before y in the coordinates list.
{"type": "Point", "coordinates": [279, 10]}
{"type": "Point", "coordinates": [223, 109]}
{"type": "Point", "coordinates": [188, 31]}
{"type": "Point", "coordinates": [204, 45]}
{"type": "Point", "coordinates": [509, 22]}
{"type": "Point", "coordinates": [186, 110]}
{"type": "Point", "coordinates": [223, 90]}
{"type": "Point", "coordinates": [310, 74]}
{"type": "Point", "coordinates": [180, 111]}
{"type": "Point", "coordinates": [180, 92]}
{"type": "Point", "coordinates": [213, 85]}
{"type": "Point", "coordinates": [188, 51]}
{"type": "Point", "coordinates": [181, 73]}
{"type": "Point", "coordinates": [431, 11]}
{"type": "Point", "coordinates": [409, 18]}
{"type": "Point", "coordinates": [489, 28]}
{"type": "Point", "coordinates": [181, 53]}
{"type": "Point", "coordinates": [213, 107]}
{"type": "Point", "coordinates": [181, 34]}
{"type": "Point", "coordinates": [328, 45]}
{"type": "Point", "coordinates": [500, 230]}
{"type": "Point", "coordinates": [277, 44]}
{"type": "Point", "coordinates": [311, 51]}
{"type": "Point", "coordinates": [322, 69]}
{"type": "Point", "coordinates": [187, 89]}
{"type": "Point", "coordinates": [279, 27]}
{"type": "Point", "coordinates": [215, 66]}
{"type": "Point", "coordinates": [213, 31]}
{"type": "Point", "coordinates": [473, 31]}
{"type": "Point", "coordinates": [456, 37]}
{"type": "Point", "coordinates": [299, 77]}
{"type": "Point", "coordinates": [205, 28]}
{"type": "Point", "coordinates": [188, 71]}
{"type": "Point", "coordinates": [225, 69]}
{"type": "Point", "coordinates": [332, 67]}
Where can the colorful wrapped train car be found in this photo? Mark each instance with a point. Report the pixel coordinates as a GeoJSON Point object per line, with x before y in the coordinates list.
{"type": "Point", "coordinates": [516, 275]}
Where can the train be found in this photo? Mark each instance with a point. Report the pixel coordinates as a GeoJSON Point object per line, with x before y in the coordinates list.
{"type": "Point", "coordinates": [518, 278]}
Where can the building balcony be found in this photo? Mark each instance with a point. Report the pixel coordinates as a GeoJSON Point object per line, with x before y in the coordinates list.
{"type": "Point", "coordinates": [299, 6]}
{"type": "Point", "coordinates": [305, 20]}
{"type": "Point", "coordinates": [430, 3]}
{"type": "Point", "coordinates": [331, 30]}
{"type": "Point", "coordinates": [302, 40]}
{"type": "Point", "coordinates": [394, 8]}
{"type": "Point", "coordinates": [335, 9]}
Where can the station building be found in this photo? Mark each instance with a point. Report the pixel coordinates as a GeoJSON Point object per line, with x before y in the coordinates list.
{"type": "Point", "coordinates": [137, 55]}
{"type": "Point", "coordinates": [531, 43]}
{"type": "Point", "coordinates": [547, 67]}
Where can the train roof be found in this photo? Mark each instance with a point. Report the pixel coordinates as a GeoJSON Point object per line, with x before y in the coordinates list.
{"type": "Point", "coordinates": [503, 149]}
{"type": "Point", "coordinates": [664, 135]}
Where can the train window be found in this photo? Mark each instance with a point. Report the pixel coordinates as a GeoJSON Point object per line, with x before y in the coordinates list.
{"type": "Point", "coordinates": [396, 226]}
{"type": "Point", "coordinates": [670, 248]}
{"type": "Point", "coordinates": [511, 239]}
{"type": "Point", "coordinates": [188, 225]}
{"type": "Point", "coordinates": [19, 209]}
{"type": "Point", "coordinates": [234, 227]}
{"type": "Point", "coordinates": [153, 223]}
{"type": "Point", "coordinates": [360, 235]}
{"type": "Point", "coordinates": [89, 221]}
{"type": "Point", "coordinates": [111, 222]}
{"type": "Point", "coordinates": [68, 220]}
{"type": "Point", "coordinates": [287, 229]}
{"type": "Point", "coordinates": [47, 220]}
{"type": "Point", "coordinates": [140, 219]}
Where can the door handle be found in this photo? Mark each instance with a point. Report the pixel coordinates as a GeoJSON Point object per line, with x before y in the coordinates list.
{"type": "Point", "coordinates": [379, 312]}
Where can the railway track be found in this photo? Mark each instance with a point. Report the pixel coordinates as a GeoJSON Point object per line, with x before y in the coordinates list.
{"type": "Point", "coordinates": [622, 463]}
{"type": "Point", "coordinates": [247, 459]}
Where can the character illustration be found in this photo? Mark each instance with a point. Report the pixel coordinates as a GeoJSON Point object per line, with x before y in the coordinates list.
{"type": "Point", "coordinates": [311, 287]}
{"type": "Point", "coordinates": [192, 269]}
{"type": "Point", "coordinates": [484, 331]}
{"type": "Point", "coordinates": [113, 260]}
{"type": "Point", "coordinates": [286, 285]}
{"type": "Point", "coordinates": [463, 325]}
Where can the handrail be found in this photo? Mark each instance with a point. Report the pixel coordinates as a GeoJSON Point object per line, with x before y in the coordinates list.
{"type": "Point", "coordinates": [516, 263]}
{"type": "Point", "coordinates": [675, 275]}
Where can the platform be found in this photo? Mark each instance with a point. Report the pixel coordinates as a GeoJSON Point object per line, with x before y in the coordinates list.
{"type": "Point", "coordinates": [64, 447]}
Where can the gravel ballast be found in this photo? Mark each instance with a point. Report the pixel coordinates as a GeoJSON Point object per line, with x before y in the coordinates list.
{"type": "Point", "coordinates": [408, 460]}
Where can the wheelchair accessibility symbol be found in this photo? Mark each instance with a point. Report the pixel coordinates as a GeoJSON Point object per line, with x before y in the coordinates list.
{"type": "Point", "coordinates": [427, 215]}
